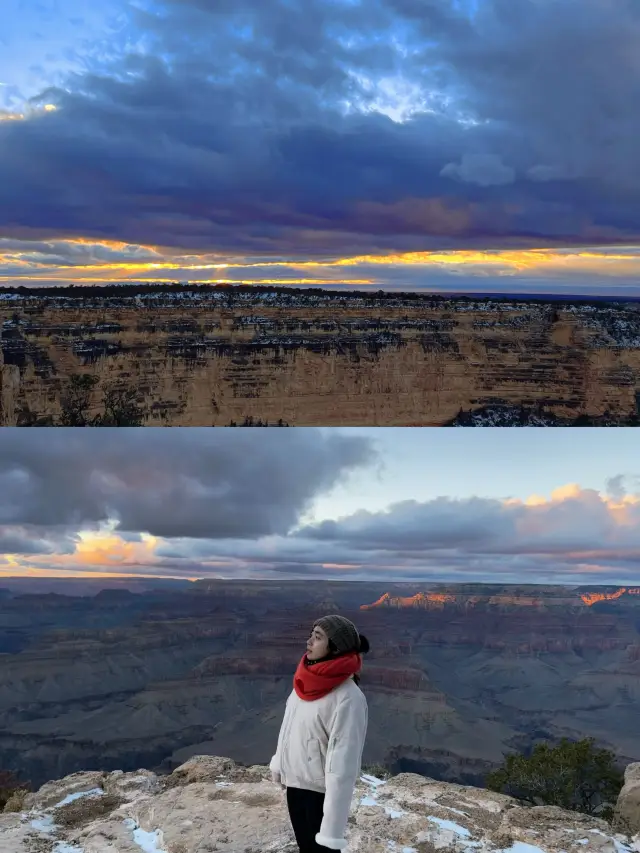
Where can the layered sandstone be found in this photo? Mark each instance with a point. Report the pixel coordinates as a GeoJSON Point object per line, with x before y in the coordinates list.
{"type": "Point", "coordinates": [212, 805]}
{"type": "Point", "coordinates": [212, 356]}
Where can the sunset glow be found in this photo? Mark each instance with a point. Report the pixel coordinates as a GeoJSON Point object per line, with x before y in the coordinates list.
{"type": "Point", "coordinates": [36, 267]}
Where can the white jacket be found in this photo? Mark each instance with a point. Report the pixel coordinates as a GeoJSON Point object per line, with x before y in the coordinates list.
{"type": "Point", "coordinates": [320, 749]}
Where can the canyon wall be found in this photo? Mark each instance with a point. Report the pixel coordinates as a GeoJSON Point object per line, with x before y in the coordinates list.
{"type": "Point", "coordinates": [216, 358]}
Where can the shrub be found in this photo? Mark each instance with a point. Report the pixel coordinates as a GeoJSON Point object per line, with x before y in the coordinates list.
{"type": "Point", "coordinates": [15, 803]}
{"type": "Point", "coordinates": [572, 775]}
{"type": "Point", "coordinates": [12, 791]}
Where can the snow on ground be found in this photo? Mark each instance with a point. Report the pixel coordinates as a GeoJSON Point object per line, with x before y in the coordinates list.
{"type": "Point", "coordinates": [522, 847]}
{"type": "Point", "coordinates": [70, 798]}
{"type": "Point", "coordinates": [41, 820]}
{"type": "Point", "coordinates": [43, 823]}
{"type": "Point", "coordinates": [393, 848]}
{"type": "Point", "coordinates": [454, 827]}
{"type": "Point", "coordinates": [148, 841]}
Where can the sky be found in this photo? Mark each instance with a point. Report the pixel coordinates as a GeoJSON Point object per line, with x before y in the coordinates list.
{"type": "Point", "coordinates": [384, 504]}
{"type": "Point", "coordinates": [437, 145]}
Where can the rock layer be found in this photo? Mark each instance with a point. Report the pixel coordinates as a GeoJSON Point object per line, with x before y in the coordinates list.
{"type": "Point", "coordinates": [217, 357]}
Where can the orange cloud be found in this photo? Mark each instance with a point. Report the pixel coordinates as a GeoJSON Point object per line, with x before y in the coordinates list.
{"type": "Point", "coordinates": [168, 265]}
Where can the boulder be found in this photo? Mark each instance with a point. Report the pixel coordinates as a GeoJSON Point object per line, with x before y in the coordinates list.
{"type": "Point", "coordinates": [627, 812]}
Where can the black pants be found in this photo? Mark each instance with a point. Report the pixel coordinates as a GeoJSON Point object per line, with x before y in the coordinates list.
{"type": "Point", "coordinates": [305, 811]}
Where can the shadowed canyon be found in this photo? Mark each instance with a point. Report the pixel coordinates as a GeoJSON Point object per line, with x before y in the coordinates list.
{"type": "Point", "coordinates": [217, 356]}
{"type": "Point", "coordinates": [457, 676]}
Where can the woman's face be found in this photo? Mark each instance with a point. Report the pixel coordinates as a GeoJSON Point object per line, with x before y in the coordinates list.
{"type": "Point", "coordinates": [317, 644]}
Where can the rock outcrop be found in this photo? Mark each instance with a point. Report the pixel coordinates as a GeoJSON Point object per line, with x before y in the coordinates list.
{"type": "Point", "coordinates": [217, 356]}
{"type": "Point", "coordinates": [627, 813]}
{"type": "Point", "coordinates": [211, 805]}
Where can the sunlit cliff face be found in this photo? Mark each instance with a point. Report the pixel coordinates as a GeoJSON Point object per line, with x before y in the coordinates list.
{"type": "Point", "coordinates": [420, 599]}
{"type": "Point", "coordinates": [423, 599]}
{"type": "Point", "coordinates": [591, 598]}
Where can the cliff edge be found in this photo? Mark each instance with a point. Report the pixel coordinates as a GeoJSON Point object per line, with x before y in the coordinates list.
{"type": "Point", "coordinates": [211, 805]}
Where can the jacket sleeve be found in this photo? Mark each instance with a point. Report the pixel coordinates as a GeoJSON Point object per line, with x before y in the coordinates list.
{"type": "Point", "coordinates": [275, 763]}
{"type": "Point", "coordinates": [342, 768]}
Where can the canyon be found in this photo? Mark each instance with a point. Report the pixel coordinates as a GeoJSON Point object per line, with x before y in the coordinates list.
{"type": "Point", "coordinates": [203, 356]}
{"type": "Point", "coordinates": [457, 676]}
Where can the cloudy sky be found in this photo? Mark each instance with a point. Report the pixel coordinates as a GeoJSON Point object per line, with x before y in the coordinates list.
{"type": "Point", "coordinates": [486, 145]}
{"type": "Point", "coordinates": [513, 505]}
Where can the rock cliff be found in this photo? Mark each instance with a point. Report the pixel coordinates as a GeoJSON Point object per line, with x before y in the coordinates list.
{"type": "Point", "coordinates": [627, 812]}
{"type": "Point", "coordinates": [211, 805]}
{"type": "Point", "coordinates": [217, 356]}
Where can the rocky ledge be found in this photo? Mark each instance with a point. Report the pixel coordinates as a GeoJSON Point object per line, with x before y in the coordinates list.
{"type": "Point", "coordinates": [211, 805]}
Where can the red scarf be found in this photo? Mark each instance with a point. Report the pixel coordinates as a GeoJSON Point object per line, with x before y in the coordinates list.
{"type": "Point", "coordinates": [315, 681]}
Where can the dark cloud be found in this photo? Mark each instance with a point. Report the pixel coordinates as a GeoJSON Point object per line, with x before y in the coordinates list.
{"type": "Point", "coordinates": [228, 130]}
{"type": "Point", "coordinates": [22, 540]}
{"type": "Point", "coordinates": [171, 483]}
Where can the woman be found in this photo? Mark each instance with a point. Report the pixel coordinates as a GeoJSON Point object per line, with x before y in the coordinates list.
{"type": "Point", "coordinates": [320, 744]}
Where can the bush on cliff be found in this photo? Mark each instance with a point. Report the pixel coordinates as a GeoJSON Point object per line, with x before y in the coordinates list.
{"type": "Point", "coordinates": [572, 775]}
{"type": "Point", "coordinates": [119, 404]}
{"type": "Point", "coordinates": [12, 790]}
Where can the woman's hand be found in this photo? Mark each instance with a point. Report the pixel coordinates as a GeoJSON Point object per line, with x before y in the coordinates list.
{"type": "Point", "coordinates": [276, 778]}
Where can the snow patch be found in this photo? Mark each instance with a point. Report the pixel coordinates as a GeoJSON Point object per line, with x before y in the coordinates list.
{"type": "Point", "coordinates": [456, 828]}
{"type": "Point", "coordinates": [147, 841]}
{"type": "Point", "coordinates": [44, 823]}
{"type": "Point", "coordinates": [522, 847]}
{"type": "Point", "coordinates": [70, 798]}
{"type": "Point", "coordinates": [393, 813]}
{"type": "Point", "coordinates": [373, 780]}
{"type": "Point", "coordinates": [621, 847]}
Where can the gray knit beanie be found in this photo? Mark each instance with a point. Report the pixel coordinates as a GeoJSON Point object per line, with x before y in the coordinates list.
{"type": "Point", "coordinates": [341, 631]}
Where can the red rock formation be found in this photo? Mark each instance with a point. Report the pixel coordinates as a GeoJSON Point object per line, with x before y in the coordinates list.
{"type": "Point", "coordinates": [422, 600]}
{"type": "Point", "coordinates": [590, 598]}
{"type": "Point", "coordinates": [437, 600]}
